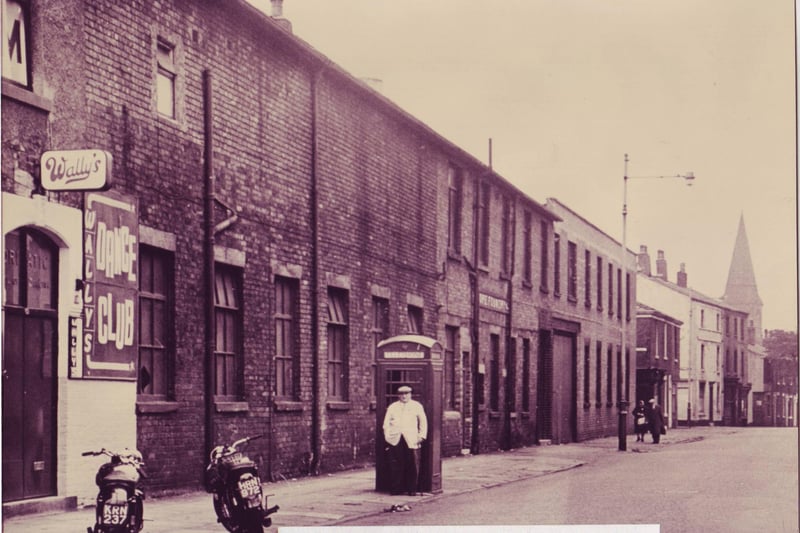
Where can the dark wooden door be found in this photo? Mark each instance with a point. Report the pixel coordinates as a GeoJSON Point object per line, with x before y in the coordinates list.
{"type": "Point", "coordinates": [29, 356]}
{"type": "Point", "coordinates": [563, 388]}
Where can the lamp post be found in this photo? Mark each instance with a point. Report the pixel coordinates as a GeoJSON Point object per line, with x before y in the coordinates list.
{"type": "Point", "coordinates": [623, 402]}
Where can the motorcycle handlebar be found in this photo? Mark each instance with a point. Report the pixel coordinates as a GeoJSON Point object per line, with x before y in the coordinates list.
{"type": "Point", "coordinates": [245, 440]}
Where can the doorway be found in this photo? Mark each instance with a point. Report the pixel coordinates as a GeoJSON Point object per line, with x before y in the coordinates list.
{"type": "Point", "coordinates": [29, 358]}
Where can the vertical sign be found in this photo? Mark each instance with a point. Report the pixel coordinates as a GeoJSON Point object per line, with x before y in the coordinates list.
{"type": "Point", "coordinates": [110, 291]}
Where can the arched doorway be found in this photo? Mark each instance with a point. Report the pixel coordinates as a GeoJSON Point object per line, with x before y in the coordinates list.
{"type": "Point", "coordinates": [30, 309]}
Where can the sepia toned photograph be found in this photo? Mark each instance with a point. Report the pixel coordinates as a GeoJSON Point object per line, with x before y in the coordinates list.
{"type": "Point", "coordinates": [375, 266]}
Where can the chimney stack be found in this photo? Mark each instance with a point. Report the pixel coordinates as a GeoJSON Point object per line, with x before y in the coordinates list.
{"type": "Point", "coordinates": [682, 276]}
{"type": "Point", "coordinates": [277, 15]}
{"type": "Point", "coordinates": [661, 265]}
{"type": "Point", "coordinates": [643, 260]}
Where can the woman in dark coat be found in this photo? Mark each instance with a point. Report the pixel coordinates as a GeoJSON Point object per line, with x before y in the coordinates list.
{"type": "Point", "coordinates": [640, 423]}
{"type": "Point", "coordinates": [656, 416]}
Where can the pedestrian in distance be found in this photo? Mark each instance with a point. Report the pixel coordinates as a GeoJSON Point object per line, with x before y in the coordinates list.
{"type": "Point", "coordinates": [405, 427]}
{"type": "Point", "coordinates": [656, 417]}
{"type": "Point", "coordinates": [640, 423]}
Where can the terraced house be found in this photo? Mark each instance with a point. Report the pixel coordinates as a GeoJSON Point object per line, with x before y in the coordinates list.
{"type": "Point", "coordinates": [208, 226]}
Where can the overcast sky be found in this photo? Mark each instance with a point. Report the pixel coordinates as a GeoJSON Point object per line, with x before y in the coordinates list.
{"type": "Point", "coordinates": [564, 88]}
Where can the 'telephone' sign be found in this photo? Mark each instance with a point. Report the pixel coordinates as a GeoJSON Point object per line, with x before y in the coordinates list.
{"type": "Point", "coordinates": [76, 170]}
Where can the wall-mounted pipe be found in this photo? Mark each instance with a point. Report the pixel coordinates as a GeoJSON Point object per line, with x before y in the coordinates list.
{"type": "Point", "coordinates": [208, 256]}
{"type": "Point", "coordinates": [316, 396]}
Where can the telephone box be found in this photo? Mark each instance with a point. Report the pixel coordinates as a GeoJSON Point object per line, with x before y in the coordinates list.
{"type": "Point", "coordinates": [416, 361]}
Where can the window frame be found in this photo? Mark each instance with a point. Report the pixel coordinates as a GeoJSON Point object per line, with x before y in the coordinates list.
{"type": "Point", "coordinates": [22, 71]}
{"type": "Point", "coordinates": [166, 70]}
{"type": "Point", "coordinates": [146, 255]}
{"type": "Point", "coordinates": [286, 293]}
{"type": "Point", "coordinates": [455, 200]}
{"type": "Point", "coordinates": [232, 352]}
{"type": "Point", "coordinates": [338, 353]}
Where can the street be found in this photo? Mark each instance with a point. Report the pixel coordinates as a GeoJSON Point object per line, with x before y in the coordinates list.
{"type": "Point", "coordinates": [742, 481]}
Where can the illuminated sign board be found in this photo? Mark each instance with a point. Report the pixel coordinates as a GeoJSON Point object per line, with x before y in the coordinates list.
{"type": "Point", "coordinates": [76, 170]}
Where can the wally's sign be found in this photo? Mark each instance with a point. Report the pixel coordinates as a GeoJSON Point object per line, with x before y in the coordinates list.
{"type": "Point", "coordinates": [110, 289]}
{"type": "Point", "coordinates": [76, 170]}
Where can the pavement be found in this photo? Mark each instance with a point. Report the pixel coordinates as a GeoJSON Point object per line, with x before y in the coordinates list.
{"type": "Point", "coordinates": [337, 498]}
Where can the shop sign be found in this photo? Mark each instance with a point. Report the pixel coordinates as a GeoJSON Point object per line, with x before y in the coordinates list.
{"type": "Point", "coordinates": [110, 288]}
{"type": "Point", "coordinates": [495, 304]}
{"type": "Point", "coordinates": [404, 355]}
{"type": "Point", "coordinates": [76, 170]}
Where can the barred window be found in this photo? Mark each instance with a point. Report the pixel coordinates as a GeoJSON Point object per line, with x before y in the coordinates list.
{"type": "Point", "coordinates": [287, 356]}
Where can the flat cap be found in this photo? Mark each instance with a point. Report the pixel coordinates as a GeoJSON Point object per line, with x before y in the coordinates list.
{"type": "Point", "coordinates": [404, 388]}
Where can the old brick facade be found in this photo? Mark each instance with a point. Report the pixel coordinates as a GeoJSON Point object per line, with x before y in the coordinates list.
{"type": "Point", "coordinates": [328, 202]}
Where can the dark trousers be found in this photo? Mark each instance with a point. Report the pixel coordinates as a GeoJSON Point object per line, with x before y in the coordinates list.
{"type": "Point", "coordinates": [403, 467]}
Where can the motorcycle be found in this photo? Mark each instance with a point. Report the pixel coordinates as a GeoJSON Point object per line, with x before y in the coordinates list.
{"type": "Point", "coordinates": [233, 479]}
{"type": "Point", "coordinates": [120, 505]}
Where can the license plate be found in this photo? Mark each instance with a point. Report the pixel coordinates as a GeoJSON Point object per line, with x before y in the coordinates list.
{"type": "Point", "coordinates": [114, 514]}
{"type": "Point", "coordinates": [249, 487]}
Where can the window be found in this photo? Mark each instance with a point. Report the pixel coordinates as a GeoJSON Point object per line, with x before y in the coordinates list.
{"type": "Point", "coordinates": [609, 375]}
{"type": "Point", "coordinates": [599, 283]}
{"type": "Point", "coordinates": [619, 294]}
{"type": "Point", "coordinates": [15, 65]}
{"type": "Point", "coordinates": [526, 375]}
{"type": "Point", "coordinates": [718, 322]}
{"type": "Point", "coordinates": [610, 289]}
{"type": "Point", "coordinates": [572, 271]}
{"type": "Point", "coordinates": [702, 318]}
{"type": "Point", "coordinates": [450, 351]}
{"type": "Point", "coordinates": [484, 229]}
{"type": "Point", "coordinates": [527, 269]}
{"type": "Point", "coordinates": [380, 331]}
{"type": "Point", "coordinates": [702, 357]}
{"type": "Point", "coordinates": [598, 375]}
{"type": "Point", "coordinates": [415, 320]}
{"type": "Point", "coordinates": [587, 278]}
{"type": "Point", "coordinates": [165, 79]}
{"type": "Point", "coordinates": [494, 374]}
{"type": "Point", "coordinates": [587, 348]}
{"type": "Point", "coordinates": [702, 396]}
{"type": "Point", "coordinates": [228, 318]}
{"type": "Point", "coordinates": [511, 377]}
{"type": "Point", "coordinates": [287, 357]}
{"type": "Point", "coordinates": [338, 356]}
{"type": "Point", "coordinates": [454, 201]}
{"type": "Point", "coordinates": [506, 238]}
{"type": "Point", "coordinates": [717, 360]}
{"type": "Point", "coordinates": [544, 258]}
{"type": "Point", "coordinates": [627, 372]}
{"type": "Point", "coordinates": [556, 265]}
{"type": "Point", "coordinates": [627, 296]}
{"type": "Point", "coordinates": [156, 347]}
{"type": "Point", "coordinates": [619, 374]}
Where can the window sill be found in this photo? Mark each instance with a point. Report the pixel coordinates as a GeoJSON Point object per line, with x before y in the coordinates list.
{"type": "Point", "coordinates": [543, 289]}
{"type": "Point", "coordinates": [505, 276]}
{"type": "Point", "coordinates": [338, 405]}
{"type": "Point", "coordinates": [494, 415]}
{"type": "Point", "coordinates": [145, 407]}
{"type": "Point", "coordinates": [572, 299]}
{"type": "Point", "coordinates": [525, 415]}
{"type": "Point", "coordinates": [527, 284]}
{"type": "Point", "coordinates": [231, 407]}
{"type": "Point", "coordinates": [454, 255]}
{"type": "Point", "coordinates": [20, 94]}
{"type": "Point", "coordinates": [288, 406]}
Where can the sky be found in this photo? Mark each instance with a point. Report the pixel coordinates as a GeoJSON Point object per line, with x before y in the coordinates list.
{"type": "Point", "coordinates": [565, 88]}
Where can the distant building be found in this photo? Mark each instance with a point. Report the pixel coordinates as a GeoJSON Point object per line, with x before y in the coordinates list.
{"type": "Point", "coordinates": [658, 359]}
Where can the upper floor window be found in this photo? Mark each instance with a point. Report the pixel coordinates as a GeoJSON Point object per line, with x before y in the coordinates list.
{"type": "Point", "coordinates": [627, 296]}
{"type": "Point", "coordinates": [156, 347]}
{"type": "Point", "coordinates": [572, 271]}
{"type": "Point", "coordinates": [702, 318]}
{"type": "Point", "coordinates": [287, 355]}
{"type": "Point", "coordinates": [338, 341]}
{"type": "Point", "coordinates": [527, 252]}
{"type": "Point", "coordinates": [599, 283]}
{"type": "Point", "coordinates": [165, 79]}
{"type": "Point", "coordinates": [610, 289]}
{"type": "Point", "coordinates": [718, 322]}
{"type": "Point", "coordinates": [526, 375]}
{"type": "Point", "coordinates": [544, 256]}
{"type": "Point", "coordinates": [454, 201]}
{"type": "Point", "coordinates": [494, 373]}
{"type": "Point", "coordinates": [415, 319]}
{"type": "Point", "coordinates": [587, 278]}
{"type": "Point", "coordinates": [485, 219]}
{"type": "Point", "coordinates": [556, 265]}
{"type": "Point", "coordinates": [228, 354]}
{"type": "Point", "coordinates": [506, 237]}
{"type": "Point", "coordinates": [15, 42]}
{"type": "Point", "coordinates": [619, 294]}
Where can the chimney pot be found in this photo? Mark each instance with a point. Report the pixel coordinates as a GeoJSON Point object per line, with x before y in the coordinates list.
{"type": "Point", "coordinates": [643, 261]}
{"type": "Point", "coordinates": [661, 265]}
{"type": "Point", "coordinates": [683, 276]}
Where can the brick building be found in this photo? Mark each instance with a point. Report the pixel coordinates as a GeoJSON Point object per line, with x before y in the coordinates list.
{"type": "Point", "coordinates": [269, 219]}
{"type": "Point", "coordinates": [658, 359]}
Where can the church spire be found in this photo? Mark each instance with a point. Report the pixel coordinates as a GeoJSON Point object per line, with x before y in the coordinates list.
{"type": "Point", "coordinates": [741, 289]}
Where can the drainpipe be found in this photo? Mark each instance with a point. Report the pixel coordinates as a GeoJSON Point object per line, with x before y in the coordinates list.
{"type": "Point", "coordinates": [208, 256]}
{"type": "Point", "coordinates": [474, 276]}
{"type": "Point", "coordinates": [316, 398]}
{"type": "Point", "coordinates": [509, 326]}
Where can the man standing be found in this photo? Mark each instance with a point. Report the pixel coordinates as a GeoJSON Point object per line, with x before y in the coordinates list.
{"type": "Point", "coordinates": [656, 416]}
{"type": "Point", "coordinates": [405, 426]}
